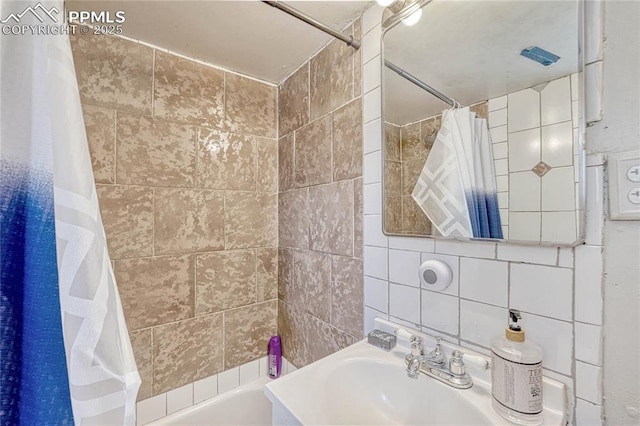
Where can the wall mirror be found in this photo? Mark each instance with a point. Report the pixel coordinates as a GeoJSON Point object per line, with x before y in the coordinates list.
{"type": "Point", "coordinates": [507, 162]}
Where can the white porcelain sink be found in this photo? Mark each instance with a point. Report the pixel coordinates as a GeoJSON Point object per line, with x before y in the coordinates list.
{"type": "Point", "coordinates": [363, 384]}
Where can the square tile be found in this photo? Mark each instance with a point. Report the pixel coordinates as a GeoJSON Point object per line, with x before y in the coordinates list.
{"type": "Point", "coordinates": [500, 150]}
{"type": "Point", "coordinates": [251, 219]}
{"type": "Point", "coordinates": [155, 290]}
{"type": "Point", "coordinates": [225, 280]}
{"type": "Point", "coordinates": [375, 262]}
{"type": "Point", "coordinates": [480, 323]}
{"type": "Point", "coordinates": [376, 294]}
{"type": "Point", "coordinates": [594, 205]}
{"type": "Point", "coordinates": [542, 290]}
{"type": "Point", "coordinates": [127, 217]}
{"type": "Point", "coordinates": [484, 281]}
{"type": "Point", "coordinates": [588, 343]}
{"type": "Point", "coordinates": [267, 165]}
{"type": "Point", "coordinates": [558, 190]}
{"type": "Point", "coordinates": [412, 244]}
{"type": "Point", "coordinates": [555, 338]}
{"type": "Point", "coordinates": [498, 134]}
{"type": "Point", "coordinates": [143, 353]}
{"type": "Point", "coordinates": [228, 380]}
{"type": "Point", "coordinates": [559, 227]}
{"type": "Point", "coordinates": [372, 74]}
{"type": "Point", "coordinates": [331, 78]}
{"type": "Point", "coordinates": [331, 223]}
{"type": "Point", "coordinates": [373, 235]}
{"type": "Point", "coordinates": [524, 226]}
{"type": "Point", "coordinates": [151, 409]}
{"type": "Point", "coordinates": [347, 301]}
{"type": "Point", "coordinates": [524, 110]}
{"type": "Point", "coordinates": [369, 317]}
{"type": "Point", "coordinates": [440, 312]}
{"type": "Point", "coordinates": [293, 101]}
{"type": "Point", "coordinates": [588, 280]}
{"type": "Point", "coordinates": [588, 414]}
{"type": "Point", "coordinates": [372, 136]}
{"type": "Point", "coordinates": [249, 372]}
{"type": "Point", "coordinates": [347, 141]}
{"type": "Point", "coordinates": [373, 199]}
{"type": "Point", "coordinates": [294, 218]}
{"type": "Point", "coordinates": [497, 103]}
{"type": "Point", "coordinates": [404, 267]}
{"type": "Point", "coordinates": [524, 150]}
{"type": "Point", "coordinates": [250, 106]}
{"type": "Point", "coordinates": [187, 220]}
{"type": "Point", "coordinates": [185, 90]}
{"type": "Point", "coordinates": [179, 398]}
{"type": "Point", "coordinates": [125, 67]}
{"type": "Point", "coordinates": [404, 302]}
{"type": "Point", "coordinates": [589, 382]}
{"type": "Point", "coordinates": [152, 151]}
{"type": "Point", "coordinates": [498, 118]}
{"type": "Point", "coordinates": [226, 160]}
{"type": "Point", "coordinates": [186, 351]}
{"type": "Point", "coordinates": [100, 126]}
{"type": "Point", "coordinates": [525, 192]}
{"type": "Point", "coordinates": [373, 167]}
{"type": "Point", "coordinates": [555, 102]}
{"type": "Point", "coordinates": [501, 167]}
{"type": "Point", "coordinates": [372, 105]}
{"type": "Point", "coordinates": [312, 163]}
{"type": "Point", "coordinates": [204, 389]}
{"type": "Point", "coordinates": [557, 144]}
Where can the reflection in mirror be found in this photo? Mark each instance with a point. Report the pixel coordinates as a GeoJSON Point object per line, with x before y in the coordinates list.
{"type": "Point", "coordinates": [507, 162]}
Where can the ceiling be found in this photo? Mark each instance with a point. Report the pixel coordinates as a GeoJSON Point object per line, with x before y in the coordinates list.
{"type": "Point", "coordinates": [249, 37]}
{"type": "Point", "coordinates": [470, 51]}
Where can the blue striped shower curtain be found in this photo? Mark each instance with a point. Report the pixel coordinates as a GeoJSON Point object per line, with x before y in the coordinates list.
{"type": "Point", "coordinates": [457, 187]}
{"type": "Point", "coordinates": [65, 354]}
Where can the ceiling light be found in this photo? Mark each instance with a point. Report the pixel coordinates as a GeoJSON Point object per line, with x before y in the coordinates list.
{"type": "Point", "coordinates": [413, 18]}
{"type": "Point", "coordinates": [385, 3]}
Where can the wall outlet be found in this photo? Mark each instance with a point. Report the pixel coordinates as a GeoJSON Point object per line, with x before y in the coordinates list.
{"type": "Point", "coordinates": [624, 185]}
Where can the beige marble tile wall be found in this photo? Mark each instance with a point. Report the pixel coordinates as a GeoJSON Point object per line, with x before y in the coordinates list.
{"type": "Point", "coordinates": [320, 204]}
{"type": "Point", "coordinates": [185, 160]}
{"type": "Point", "coordinates": [406, 149]}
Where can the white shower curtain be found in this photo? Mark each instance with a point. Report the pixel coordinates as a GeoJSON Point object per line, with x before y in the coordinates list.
{"type": "Point", "coordinates": [457, 186]}
{"type": "Point", "coordinates": [67, 357]}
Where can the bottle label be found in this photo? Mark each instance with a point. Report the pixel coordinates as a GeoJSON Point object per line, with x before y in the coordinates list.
{"type": "Point", "coordinates": [517, 386]}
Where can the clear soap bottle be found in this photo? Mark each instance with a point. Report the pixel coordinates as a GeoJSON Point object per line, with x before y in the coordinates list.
{"type": "Point", "coordinates": [516, 375]}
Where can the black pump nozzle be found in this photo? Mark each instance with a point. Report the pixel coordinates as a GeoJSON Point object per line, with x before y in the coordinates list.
{"type": "Point", "coordinates": [514, 316]}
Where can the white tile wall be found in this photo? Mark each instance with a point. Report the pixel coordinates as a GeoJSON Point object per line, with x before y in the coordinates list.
{"type": "Point", "coordinates": [404, 266]}
{"type": "Point", "coordinates": [151, 409]}
{"type": "Point", "coordinates": [478, 321]}
{"type": "Point", "coordinates": [228, 379]}
{"type": "Point", "coordinates": [205, 388]}
{"type": "Point", "coordinates": [588, 382]}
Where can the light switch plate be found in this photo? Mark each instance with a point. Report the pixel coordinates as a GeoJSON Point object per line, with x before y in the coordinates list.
{"type": "Point", "coordinates": [624, 185]}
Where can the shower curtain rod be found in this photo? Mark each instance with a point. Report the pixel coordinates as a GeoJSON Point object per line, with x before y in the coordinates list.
{"type": "Point", "coordinates": [319, 25]}
{"type": "Point", "coordinates": [421, 84]}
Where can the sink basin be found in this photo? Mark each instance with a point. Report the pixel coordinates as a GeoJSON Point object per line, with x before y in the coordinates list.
{"type": "Point", "coordinates": [363, 384]}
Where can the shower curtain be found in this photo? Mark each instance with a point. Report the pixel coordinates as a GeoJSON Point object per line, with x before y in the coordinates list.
{"type": "Point", "coordinates": [65, 352]}
{"type": "Point", "coordinates": [457, 187]}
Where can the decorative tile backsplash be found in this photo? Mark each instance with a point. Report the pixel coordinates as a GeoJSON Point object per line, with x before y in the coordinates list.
{"type": "Point", "coordinates": [185, 161]}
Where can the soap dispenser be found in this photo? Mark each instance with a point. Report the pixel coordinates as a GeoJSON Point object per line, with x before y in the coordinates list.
{"type": "Point", "coordinates": [516, 375]}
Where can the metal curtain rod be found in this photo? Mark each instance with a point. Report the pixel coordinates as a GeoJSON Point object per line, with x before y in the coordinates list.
{"type": "Point", "coordinates": [421, 84]}
{"type": "Point", "coordinates": [319, 25]}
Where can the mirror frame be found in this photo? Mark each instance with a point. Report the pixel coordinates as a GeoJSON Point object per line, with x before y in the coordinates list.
{"type": "Point", "coordinates": [581, 193]}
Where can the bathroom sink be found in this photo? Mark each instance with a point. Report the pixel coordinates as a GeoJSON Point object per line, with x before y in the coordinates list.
{"type": "Point", "coordinates": [363, 384]}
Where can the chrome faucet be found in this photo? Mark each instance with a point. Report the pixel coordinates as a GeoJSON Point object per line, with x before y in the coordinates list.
{"type": "Point", "coordinates": [435, 364]}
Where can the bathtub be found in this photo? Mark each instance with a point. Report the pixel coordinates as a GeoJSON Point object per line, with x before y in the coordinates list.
{"type": "Point", "coordinates": [244, 405]}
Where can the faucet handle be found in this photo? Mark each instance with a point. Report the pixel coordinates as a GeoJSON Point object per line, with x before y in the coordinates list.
{"type": "Point", "coordinates": [456, 366]}
{"type": "Point", "coordinates": [417, 349]}
{"type": "Point", "coordinates": [436, 356]}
